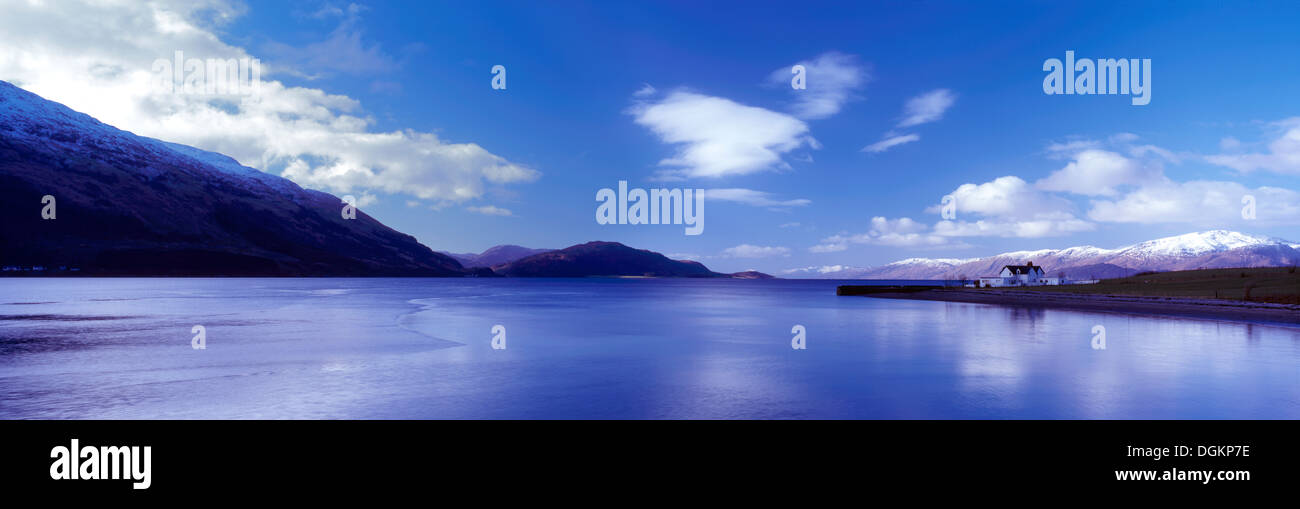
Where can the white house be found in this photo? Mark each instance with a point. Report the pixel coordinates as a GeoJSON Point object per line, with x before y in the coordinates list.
{"type": "Point", "coordinates": [1020, 275]}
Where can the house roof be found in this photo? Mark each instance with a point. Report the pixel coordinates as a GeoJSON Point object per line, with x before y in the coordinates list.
{"type": "Point", "coordinates": [1022, 269]}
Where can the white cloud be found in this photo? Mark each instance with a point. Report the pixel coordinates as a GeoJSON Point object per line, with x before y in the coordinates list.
{"type": "Point", "coordinates": [1008, 207]}
{"type": "Point", "coordinates": [1207, 203]}
{"type": "Point", "coordinates": [887, 143]}
{"type": "Point", "coordinates": [1130, 189]}
{"type": "Point", "coordinates": [409, 162]}
{"type": "Point", "coordinates": [832, 80]}
{"type": "Point", "coordinates": [1098, 172]}
{"type": "Point", "coordinates": [1141, 151]}
{"type": "Point", "coordinates": [823, 269]}
{"type": "Point", "coordinates": [1125, 190]}
{"type": "Point", "coordinates": [1030, 228]}
{"type": "Point", "coordinates": [490, 210]}
{"type": "Point", "coordinates": [366, 200]}
{"type": "Point", "coordinates": [1009, 197]}
{"type": "Point", "coordinates": [718, 137]}
{"type": "Point", "coordinates": [96, 57]}
{"type": "Point", "coordinates": [752, 197]}
{"type": "Point", "coordinates": [1283, 155]}
{"type": "Point", "coordinates": [1152, 198]}
{"type": "Point", "coordinates": [830, 245]}
{"type": "Point", "coordinates": [918, 110]}
{"type": "Point", "coordinates": [927, 107]}
{"type": "Point", "coordinates": [1063, 149]}
{"type": "Point", "coordinates": [646, 90]}
{"type": "Point", "coordinates": [1004, 207]}
{"type": "Point", "coordinates": [752, 251]}
{"type": "Point", "coordinates": [902, 232]}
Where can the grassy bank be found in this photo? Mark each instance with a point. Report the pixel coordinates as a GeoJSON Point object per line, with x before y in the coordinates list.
{"type": "Point", "coordinates": [1277, 285]}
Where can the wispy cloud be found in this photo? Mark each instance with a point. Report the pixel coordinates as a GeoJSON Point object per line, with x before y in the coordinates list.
{"type": "Point", "coordinates": [922, 109]}
{"type": "Point", "coordinates": [927, 107]}
{"type": "Point", "coordinates": [832, 80]}
{"type": "Point", "coordinates": [342, 51]}
{"type": "Point", "coordinates": [752, 197]}
{"type": "Point", "coordinates": [490, 210]}
{"type": "Point", "coordinates": [683, 256]}
{"type": "Point", "coordinates": [1067, 148]}
{"type": "Point", "coordinates": [818, 269]}
{"type": "Point", "coordinates": [901, 232]}
{"type": "Point", "coordinates": [1045, 226]}
{"type": "Point", "coordinates": [888, 143]}
{"type": "Point", "coordinates": [1282, 154]}
{"type": "Point", "coordinates": [752, 251]}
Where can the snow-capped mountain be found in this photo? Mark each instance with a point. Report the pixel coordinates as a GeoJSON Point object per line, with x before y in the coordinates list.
{"type": "Point", "coordinates": [127, 204]}
{"type": "Point", "coordinates": [1209, 249]}
{"type": "Point", "coordinates": [1196, 244]}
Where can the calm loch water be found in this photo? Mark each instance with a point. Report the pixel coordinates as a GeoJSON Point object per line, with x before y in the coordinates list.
{"type": "Point", "coordinates": [609, 348]}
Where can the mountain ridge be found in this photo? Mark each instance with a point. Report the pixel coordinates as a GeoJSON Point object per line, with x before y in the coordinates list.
{"type": "Point", "coordinates": [495, 255]}
{"type": "Point", "coordinates": [1206, 249]}
{"type": "Point", "coordinates": [600, 258]}
{"type": "Point", "coordinates": [131, 205]}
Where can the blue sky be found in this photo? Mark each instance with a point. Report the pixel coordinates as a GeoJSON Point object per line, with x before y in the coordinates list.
{"type": "Point", "coordinates": [1040, 170]}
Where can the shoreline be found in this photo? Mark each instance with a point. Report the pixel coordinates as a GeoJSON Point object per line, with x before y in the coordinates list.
{"type": "Point", "coordinates": [1128, 304]}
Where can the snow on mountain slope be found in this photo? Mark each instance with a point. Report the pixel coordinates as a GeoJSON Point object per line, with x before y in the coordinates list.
{"type": "Point", "coordinates": [127, 204]}
{"type": "Point", "coordinates": [28, 117]}
{"type": "Point", "coordinates": [933, 262]}
{"type": "Point", "coordinates": [1193, 244]}
{"type": "Point", "coordinates": [1209, 249]}
{"type": "Point", "coordinates": [232, 167]}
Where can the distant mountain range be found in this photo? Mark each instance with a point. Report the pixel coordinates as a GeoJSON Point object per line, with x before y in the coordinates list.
{"type": "Point", "coordinates": [496, 255]}
{"type": "Point", "coordinates": [607, 259]}
{"type": "Point", "coordinates": [131, 205]}
{"type": "Point", "coordinates": [1209, 249]}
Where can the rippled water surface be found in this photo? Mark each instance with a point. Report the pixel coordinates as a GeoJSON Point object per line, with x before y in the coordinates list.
{"type": "Point", "coordinates": [608, 348]}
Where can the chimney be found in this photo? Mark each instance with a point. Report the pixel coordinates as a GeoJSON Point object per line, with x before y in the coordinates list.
{"type": "Point", "coordinates": [1029, 264]}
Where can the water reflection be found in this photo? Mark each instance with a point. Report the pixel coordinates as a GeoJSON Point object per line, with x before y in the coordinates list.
{"type": "Point", "coordinates": [380, 348]}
